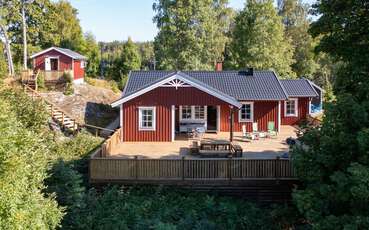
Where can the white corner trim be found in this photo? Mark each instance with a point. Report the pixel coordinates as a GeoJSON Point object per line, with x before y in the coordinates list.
{"type": "Point", "coordinates": [296, 107]}
{"type": "Point", "coordinates": [173, 122]}
{"type": "Point", "coordinates": [279, 116]}
{"type": "Point", "coordinates": [252, 112]}
{"type": "Point", "coordinates": [227, 99]}
{"type": "Point", "coordinates": [153, 108]}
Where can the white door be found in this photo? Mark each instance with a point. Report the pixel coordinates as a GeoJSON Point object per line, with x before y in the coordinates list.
{"type": "Point", "coordinates": [47, 64]}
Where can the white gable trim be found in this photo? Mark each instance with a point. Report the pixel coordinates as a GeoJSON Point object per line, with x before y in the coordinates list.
{"type": "Point", "coordinates": [228, 99]}
{"type": "Point", "coordinates": [52, 48]}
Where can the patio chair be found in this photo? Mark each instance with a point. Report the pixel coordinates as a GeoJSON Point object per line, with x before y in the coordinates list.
{"type": "Point", "coordinates": [256, 131]}
{"type": "Point", "coordinates": [272, 132]}
{"type": "Point", "coordinates": [247, 135]}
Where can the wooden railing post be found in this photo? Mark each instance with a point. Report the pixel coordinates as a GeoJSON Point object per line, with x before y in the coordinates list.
{"type": "Point", "coordinates": [230, 159]}
{"type": "Point", "coordinates": [136, 167]}
{"type": "Point", "coordinates": [183, 167]}
{"type": "Point", "coordinates": [277, 168]}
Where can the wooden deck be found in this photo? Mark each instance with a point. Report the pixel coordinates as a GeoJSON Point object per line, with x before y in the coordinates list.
{"type": "Point", "coordinates": [264, 148]}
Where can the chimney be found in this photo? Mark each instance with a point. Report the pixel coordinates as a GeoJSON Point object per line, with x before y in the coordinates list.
{"type": "Point", "coordinates": [247, 72]}
{"type": "Point", "coordinates": [219, 66]}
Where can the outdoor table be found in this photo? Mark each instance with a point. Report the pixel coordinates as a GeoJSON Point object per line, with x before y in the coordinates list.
{"type": "Point", "coordinates": [215, 145]}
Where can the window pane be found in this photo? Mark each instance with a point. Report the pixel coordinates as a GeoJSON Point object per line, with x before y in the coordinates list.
{"type": "Point", "coordinates": [199, 112]}
{"type": "Point", "coordinates": [246, 112]}
{"type": "Point", "coordinates": [147, 118]}
{"type": "Point", "coordinates": [186, 112]}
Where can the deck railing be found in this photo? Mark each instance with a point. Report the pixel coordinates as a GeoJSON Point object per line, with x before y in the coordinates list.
{"type": "Point", "coordinates": [53, 75]}
{"type": "Point", "coordinates": [110, 144]}
{"type": "Point", "coordinates": [103, 169]}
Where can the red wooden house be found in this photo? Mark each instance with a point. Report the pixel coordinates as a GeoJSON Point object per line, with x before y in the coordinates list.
{"type": "Point", "coordinates": [59, 60]}
{"type": "Point", "coordinates": [158, 105]}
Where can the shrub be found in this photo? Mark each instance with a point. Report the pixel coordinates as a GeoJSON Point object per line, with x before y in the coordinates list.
{"type": "Point", "coordinates": [41, 81]}
{"type": "Point", "coordinates": [69, 90]}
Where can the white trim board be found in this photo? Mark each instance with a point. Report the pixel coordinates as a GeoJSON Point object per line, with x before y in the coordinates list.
{"type": "Point", "coordinates": [208, 90]}
{"type": "Point", "coordinates": [251, 111]}
{"type": "Point", "coordinates": [296, 114]}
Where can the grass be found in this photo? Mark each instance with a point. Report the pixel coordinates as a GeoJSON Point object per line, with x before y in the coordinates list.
{"type": "Point", "coordinates": [106, 84]}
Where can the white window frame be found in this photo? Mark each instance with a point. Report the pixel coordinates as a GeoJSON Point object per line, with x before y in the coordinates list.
{"type": "Point", "coordinates": [192, 118]}
{"type": "Point", "coordinates": [296, 108]}
{"type": "Point", "coordinates": [140, 127]}
{"type": "Point", "coordinates": [251, 111]}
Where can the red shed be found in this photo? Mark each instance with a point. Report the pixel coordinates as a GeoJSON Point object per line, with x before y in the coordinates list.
{"type": "Point", "coordinates": [158, 105]}
{"type": "Point", "coordinates": [55, 59]}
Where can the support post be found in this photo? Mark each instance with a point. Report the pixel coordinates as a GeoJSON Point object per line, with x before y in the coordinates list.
{"type": "Point", "coordinates": [183, 167]}
{"type": "Point", "coordinates": [231, 120]}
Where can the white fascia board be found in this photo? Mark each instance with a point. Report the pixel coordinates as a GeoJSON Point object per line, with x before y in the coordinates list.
{"type": "Point", "coordinates": [225, 98]}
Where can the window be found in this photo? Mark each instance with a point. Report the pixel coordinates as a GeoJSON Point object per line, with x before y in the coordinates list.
{"type": "Point", "coordinates": [186, 112]}
{"type": "Point", "coordinates": [290, 108]}
{"type": "Point", "coordinates": [199, 112]}
{"type": "Point", "coordinates": [83, 64]}
{"type": "Point", "coordinates": [246, 112]}
{"type": "Point", "coordinates": [146, 118]}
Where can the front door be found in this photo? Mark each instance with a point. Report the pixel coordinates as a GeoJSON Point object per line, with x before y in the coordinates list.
{"type": "Point", "coordinates": [47, 64]}
{"type": "Point", "coordinates": [211, 118]}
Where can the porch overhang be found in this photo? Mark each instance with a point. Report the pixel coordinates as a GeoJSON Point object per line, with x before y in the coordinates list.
{"type": "Point", "coordinates": [186, 79]}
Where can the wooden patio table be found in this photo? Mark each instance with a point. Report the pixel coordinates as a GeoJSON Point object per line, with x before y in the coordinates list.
{"type": "Point", "coordinates": [215, 148]}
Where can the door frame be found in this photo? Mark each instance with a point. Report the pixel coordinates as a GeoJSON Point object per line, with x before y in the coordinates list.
{"type": "Point", "coordinates": [217, 119]}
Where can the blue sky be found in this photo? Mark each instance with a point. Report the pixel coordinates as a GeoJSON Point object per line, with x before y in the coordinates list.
{"type": "Point", "coordinates": [111, 20]}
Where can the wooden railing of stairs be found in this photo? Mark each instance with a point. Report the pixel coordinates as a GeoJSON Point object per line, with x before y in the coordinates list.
{"type": "Point", "coordinates": [65, 120]}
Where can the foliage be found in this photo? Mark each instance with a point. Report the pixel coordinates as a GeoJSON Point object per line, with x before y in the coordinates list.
{"type": "Point", "coordinates": [3, 63]}
{"type": "Point", "coordinates": [41, 81]}
{"type": "Point", "coordinates": [258, 40]}
{"type": "Point", "coordinates": [69, 90]}
{"type": "Point", "coordinates": [192, 34]}
{"type": "Point", "coordinates": [91, 50]}
{"type": "Point", "coordinates": [107, 84]}
{"type": "Point", "coordinates": [129, 59]}
{"type": "Point", "coordinates": [23, 166]}
{"type": "Point", "coordinates": [147, 55]}
{"type": "Point", "coordinates": [334, 168]}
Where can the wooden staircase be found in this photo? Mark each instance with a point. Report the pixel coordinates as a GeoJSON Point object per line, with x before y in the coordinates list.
{"type": "Point", "coordinates": [65, 120]}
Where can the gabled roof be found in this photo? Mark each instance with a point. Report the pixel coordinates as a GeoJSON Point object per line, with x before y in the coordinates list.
{"type": "Point", "coordinates": [68, 52]}
{"type": "Point", "coordinates": [262, 85]}
{"type": "Point", "coordinates": [162, 79]}
{"type": "Point", "coordinates": [299, 88]}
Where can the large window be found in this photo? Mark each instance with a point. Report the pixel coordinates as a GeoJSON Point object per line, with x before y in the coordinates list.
{"type": "Point", "coordinates": [193, 112]}
{"type": "Point", "coordinates": [246, 112]}
{"type": "Point", "coordinates": [146, 118]}
{"type": "Point", "coordinates": [186, 112]}
{"type": "Point", "coordinates": [290, 108]}
{"type": "Point", "coordinates": [199, 112]}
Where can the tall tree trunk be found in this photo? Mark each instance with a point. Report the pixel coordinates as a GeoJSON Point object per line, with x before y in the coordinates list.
{"type": "Point", "coordinates": [8, 50]}
{"type": "Point", "coordinates": [24, 38]}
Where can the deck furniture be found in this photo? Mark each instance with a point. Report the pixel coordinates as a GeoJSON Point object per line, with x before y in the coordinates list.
{"type": "Point", "coordinates": [272, 132]}
{"type": "Point", "coordinates": [256, 132]}
{"type": "Point", "coordinates": [247, 135]}
{"type": "Point", "coordinates": [237, 150]}
{"type": "Point", "coordinates": [194, 148]}
{"type": "Point", "coordinates": [215, 148]}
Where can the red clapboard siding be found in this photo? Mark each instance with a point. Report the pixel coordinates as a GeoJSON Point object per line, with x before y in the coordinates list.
{"type": "Point", "coordinates": [78, 71]}
{"type": "Point", "coordinates": [264, 111]}
{"type": "Point", "coordinates": [65, 62]}
{"type": "Point", "coordinates": [303, 110]}
{"type": "Point", "coordinates": [163, 98]}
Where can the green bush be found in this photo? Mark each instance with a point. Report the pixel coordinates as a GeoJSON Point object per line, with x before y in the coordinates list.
{"type": "Point", "coordinates": [41, 81]}
{"type": "Point", "coordinates": [68, 78]}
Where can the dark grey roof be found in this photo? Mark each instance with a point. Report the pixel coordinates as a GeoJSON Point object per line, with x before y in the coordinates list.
{"type": "Point", "coordinates": [67, 52]}
{"type": "Point", "coordinates": [299, 88]}
{"type": "Point", "coordinates": [262, 85]}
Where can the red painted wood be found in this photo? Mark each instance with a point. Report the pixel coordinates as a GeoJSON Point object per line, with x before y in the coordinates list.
{"type": "Point", "coordinates": [264, 111]}
{"type": "Point", "coordinates": [65, 62]}
{"type": "Point", "coordinates": [303, 110]}
{"type": "Point", "coordinates": [78, 71]}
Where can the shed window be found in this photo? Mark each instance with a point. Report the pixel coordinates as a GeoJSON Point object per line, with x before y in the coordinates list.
{"type": "Point", "coordinates": [290, 108]}
{"type": "Point", "coordinates": [246, 112]}
{"type": "Point", "coordinates": [186, 112]}
{"type": "Point", "coordinates": [147, 118]}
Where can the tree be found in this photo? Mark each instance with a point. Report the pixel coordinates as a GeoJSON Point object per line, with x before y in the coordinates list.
{"type": "Point", "coordinates": [258, 40]}
{"type": "Point", "coordinates": [294, 15]}
{"type": "Point", "coordinates": [147, 55]}
{"type": "Point", "coordinates": [334, 167]}
{"type": "Point", "coordinates": [129, 59]}
{"type": "Point", "coordinates": [192, 33]}
{"type": "Point", "coordinates": [3, 65]}
{"type": "Point", "coordinates": [92, 52]}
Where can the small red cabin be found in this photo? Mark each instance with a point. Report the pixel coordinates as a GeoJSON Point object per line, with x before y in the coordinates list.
{"type": "Point", "coordinates": [55, 59]}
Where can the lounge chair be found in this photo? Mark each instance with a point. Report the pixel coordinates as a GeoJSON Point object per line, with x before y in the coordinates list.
{"type": "Point", "coordinates": [256, 131]}
{"type": "Point", "coordinates": [272, 132]}
{"type": "Point", "coordinates": [247, 135]}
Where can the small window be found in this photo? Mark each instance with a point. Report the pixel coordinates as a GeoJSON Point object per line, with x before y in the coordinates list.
{"type": "Point", "coordinates": [146, 118]}
{"type": "Point", "coordinates": [199, 112]}
{"type": "Point", "coordinates": [290, 108]}
{"type": "Point", "coordinates": [186, 112]}
{"type": "Point", "coordinates": [246, 112]}
{"type": "Point", "coordinates": [83, 64]}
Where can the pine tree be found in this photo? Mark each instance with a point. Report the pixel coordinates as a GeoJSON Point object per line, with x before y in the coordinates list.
{"type": "Point", "coordinates": [334, 165]}
{"type": "Point", "coordinates": [258, 40]}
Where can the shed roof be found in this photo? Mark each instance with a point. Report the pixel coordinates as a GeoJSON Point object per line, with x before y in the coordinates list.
{"type": "Point", "coordinates": [299, 88]}
{"type": "Point", "coordinates": [65, 51]}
